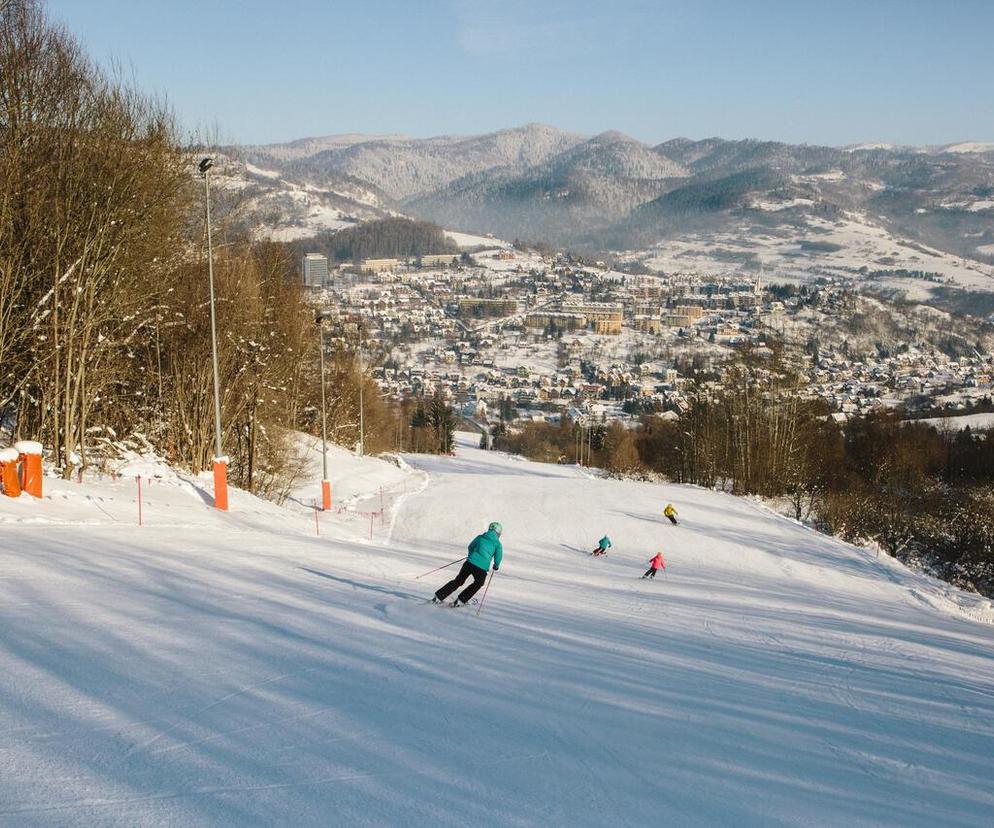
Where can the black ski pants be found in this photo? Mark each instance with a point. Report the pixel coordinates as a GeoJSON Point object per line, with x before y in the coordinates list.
{"type": "Point", "coordinates": [672, 519]}
{"type": "Point", "coordinates": [650, 573]}
{"type": "Point", "coordinates": [468, 570]}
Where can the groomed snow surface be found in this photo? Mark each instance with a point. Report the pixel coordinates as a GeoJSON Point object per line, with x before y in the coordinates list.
{"type": "Point", "coordinates": [236, 669]}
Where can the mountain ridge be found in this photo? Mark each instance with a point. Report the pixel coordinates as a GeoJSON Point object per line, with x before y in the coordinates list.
{"type": "Point", "coordinates": [611, 191]}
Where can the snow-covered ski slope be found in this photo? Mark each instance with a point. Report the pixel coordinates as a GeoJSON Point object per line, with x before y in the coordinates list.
{"type": "Point", "coordinates": [235, 669]}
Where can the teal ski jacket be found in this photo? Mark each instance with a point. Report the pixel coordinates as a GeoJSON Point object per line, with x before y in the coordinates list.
{"type": "Point", "coordinates": [604, 543]}
{"type": "Point", "coordinates": [484, 549]}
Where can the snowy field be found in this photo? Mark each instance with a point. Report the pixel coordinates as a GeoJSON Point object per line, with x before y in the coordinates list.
{"type": "Point", "coordinates": [240, 670]}
{"type": "Point", "coordinates": [469, 240]}
{"type": "Point", "coordinates": [859, 241]}
{"type": "Point", "coordinates": [959, 422]}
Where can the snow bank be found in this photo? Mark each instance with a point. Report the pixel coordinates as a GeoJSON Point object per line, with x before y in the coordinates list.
{"type": "Point", "coordinates": [147, 464]}
{"type": "Point", "coordinates": [970, 147]}
{"type": "Point", "coordinates": [254, 170]}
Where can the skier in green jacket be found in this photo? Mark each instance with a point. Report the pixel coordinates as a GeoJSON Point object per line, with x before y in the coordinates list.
{"type": "Point", "coordinates": [602, 546]}
{"type": "Point", "coordinates": [482, 550]}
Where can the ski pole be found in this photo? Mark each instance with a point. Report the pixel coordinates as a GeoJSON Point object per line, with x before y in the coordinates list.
{"type": "Point", "coordinates": [479, 609]}
{"type": "Point", "coordinates": [438, 568]}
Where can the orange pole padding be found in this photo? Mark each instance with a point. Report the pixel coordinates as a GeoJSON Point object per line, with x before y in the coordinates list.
{"type": "Point", "coordinates": [31, 480]}
{"type": "Point", "coordinates": [221, 483]}
{"type": "Point", "coordinates": [325, 495]}
{"type": "Point", "coordinates": [9, 474]}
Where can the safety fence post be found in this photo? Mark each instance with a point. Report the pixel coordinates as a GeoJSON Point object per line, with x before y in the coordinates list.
{"type": "Point", "coordinates": [31, 479]}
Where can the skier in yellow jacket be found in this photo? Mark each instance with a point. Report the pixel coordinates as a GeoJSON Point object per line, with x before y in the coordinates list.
{"type": "Point", "coordinates": [670, 512]}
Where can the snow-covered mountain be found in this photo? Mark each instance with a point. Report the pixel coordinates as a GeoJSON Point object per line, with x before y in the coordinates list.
{"type": "Point", "coordinates": [241, 669]}
{"type": "Point", "coordinates": [273, 206]}
{"type": "Point", "coordinates": [612, 192]}
{"type": "Point", "coordinates": [404, 167]}
{"type": "Point", "coordinates": [597, 181]}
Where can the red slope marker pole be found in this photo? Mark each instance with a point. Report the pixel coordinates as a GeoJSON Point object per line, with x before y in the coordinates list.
{"type": "Point", "coordinates": [317, 530]}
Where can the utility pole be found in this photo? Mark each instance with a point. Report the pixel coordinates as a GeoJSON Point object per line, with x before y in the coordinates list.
{"type": "Point", "coordinates": [158, 363]}
{"type": "Point", "coordinates": [362, 416]}
{"type": "Point", "coordinates": [220, 461]}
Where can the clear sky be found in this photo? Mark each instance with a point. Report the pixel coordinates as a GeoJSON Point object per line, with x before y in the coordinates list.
{"type": "Point", "coordinates": [815, 71]}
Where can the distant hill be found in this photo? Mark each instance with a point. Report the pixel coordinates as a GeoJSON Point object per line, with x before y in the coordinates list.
{"type": "Point", "coordinates": [593, 183]}
{"type": "Point", "coordinates": [403, 168]}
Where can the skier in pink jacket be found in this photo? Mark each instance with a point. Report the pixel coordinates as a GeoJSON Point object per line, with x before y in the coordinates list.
{"type": "Point", "coordinates": [655, 564]}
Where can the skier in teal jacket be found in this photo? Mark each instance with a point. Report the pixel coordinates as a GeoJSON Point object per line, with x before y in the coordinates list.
{"type": "Point", "coordinates": [602, 546]}
{"type": "Point", "coordinates": [483, 550]}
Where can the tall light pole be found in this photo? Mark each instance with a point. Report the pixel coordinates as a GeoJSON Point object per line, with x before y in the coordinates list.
{"type": "Point", "coordinates": [362, 412]}
{"type": "Point", "coordinates": [362, 416]}
{"type": "Point", "coordinates": [325, 482]}
{"type": "Point", "coordinates": [220, 461]}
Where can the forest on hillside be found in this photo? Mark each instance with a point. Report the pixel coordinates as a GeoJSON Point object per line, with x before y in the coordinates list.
{"type": "Point", "coordinates": [386, 238]}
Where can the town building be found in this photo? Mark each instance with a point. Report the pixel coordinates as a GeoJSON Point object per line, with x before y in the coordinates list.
{"type": "Point", "coordinates": [315, 270]}
{"type": "Point", "coordinates": [378, 265]}
{"type": "Point", "coordinates": [471, 307]}
{"type": "Point", "coordinates": [439, 259]}
{"type": "Point", "coordinates": [602, 317]}
{"type": "Point", "coordinates": [561, 321]}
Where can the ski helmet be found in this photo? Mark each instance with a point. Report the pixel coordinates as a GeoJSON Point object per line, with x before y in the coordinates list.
{"type": "Point", "coordinates": [495, 527]}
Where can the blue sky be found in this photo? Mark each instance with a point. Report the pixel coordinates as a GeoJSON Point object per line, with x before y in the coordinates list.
{"type": "Point", "coordinates": [829, 72]}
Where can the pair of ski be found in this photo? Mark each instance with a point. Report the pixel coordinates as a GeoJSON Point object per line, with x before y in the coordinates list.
{"type": "Point", "coordinates": [450, 604]}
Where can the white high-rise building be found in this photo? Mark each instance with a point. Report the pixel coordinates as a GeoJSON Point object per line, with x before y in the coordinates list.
{"type": "Point", "coordinates": [315, 269]}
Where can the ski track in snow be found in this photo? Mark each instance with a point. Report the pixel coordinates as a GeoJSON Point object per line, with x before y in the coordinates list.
{"type": "Point", "coordinates": [236, 669]}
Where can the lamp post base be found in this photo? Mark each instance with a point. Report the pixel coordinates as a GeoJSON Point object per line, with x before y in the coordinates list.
{"type": "Point", "coordinates": [221, 484]}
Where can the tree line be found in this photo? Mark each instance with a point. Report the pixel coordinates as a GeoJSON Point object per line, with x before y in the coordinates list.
{"type": "Point", "coordinates": [104, 307]}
